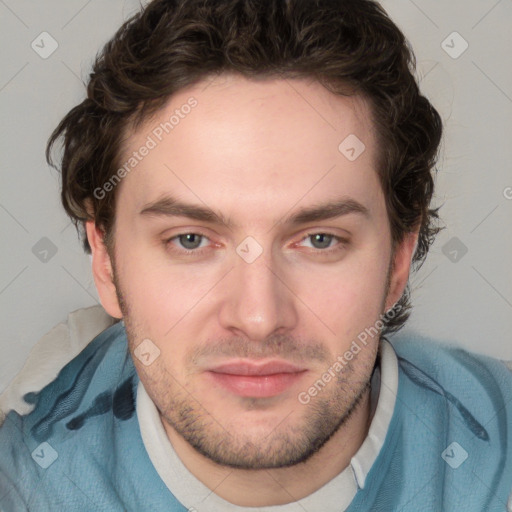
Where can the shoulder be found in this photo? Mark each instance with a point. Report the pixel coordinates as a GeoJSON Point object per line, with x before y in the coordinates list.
{"type": "Point", "coordinates": [449, 361]}
{"type": "Point", "coordinates": [99, 379]}
{"type": "Point", "coordinates": [75, 419]}
{"type": "Point", "coordinates": [473, 384]}
{"type": "Point", "coordinates": [98, 371]}
{"type": "Point", "coordinates": [81, 445]}
{"type": "Point", "coordinates": [50, 354]}
{"type": "Point", "coordinates": [453, 414]}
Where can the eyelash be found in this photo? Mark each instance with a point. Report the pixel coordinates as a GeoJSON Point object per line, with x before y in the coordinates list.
{"type": "Point", "coordinates": [199, 252]}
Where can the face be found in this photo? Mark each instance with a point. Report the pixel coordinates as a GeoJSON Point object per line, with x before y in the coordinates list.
{"type": "Point", "coordinates": [251, 252]}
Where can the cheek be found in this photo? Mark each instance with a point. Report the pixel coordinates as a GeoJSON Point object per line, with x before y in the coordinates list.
{"type": "Point", "coordinates": [161, 295]}
{"type": "Point", "coordinates": [347, 298]}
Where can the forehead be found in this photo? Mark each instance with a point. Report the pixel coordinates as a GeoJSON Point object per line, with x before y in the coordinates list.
{"type": "Point", "coordinates": [267, 141]}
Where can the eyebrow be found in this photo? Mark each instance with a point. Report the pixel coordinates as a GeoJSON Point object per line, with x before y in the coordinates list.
{"type": "Point", "coordinates": [168, 206]}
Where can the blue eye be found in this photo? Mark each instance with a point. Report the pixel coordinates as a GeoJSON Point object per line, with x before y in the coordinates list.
{"type": "Point", "coordinates": [190, 240]}
{"type": "Point", "coordinates": [322, 241]}
{"type": "Point", "coordinates": [190, 243]}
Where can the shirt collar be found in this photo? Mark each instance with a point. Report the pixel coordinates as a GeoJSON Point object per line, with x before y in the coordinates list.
{"type": "Point", "coordinates": [334, 495]}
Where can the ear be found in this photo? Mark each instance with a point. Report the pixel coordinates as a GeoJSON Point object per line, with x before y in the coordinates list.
{"type": "Point", "coordinates": [102, 270]}
{"type": "Point", "coordinates": [401, 266]}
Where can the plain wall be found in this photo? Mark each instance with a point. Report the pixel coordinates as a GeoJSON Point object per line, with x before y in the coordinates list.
{"type": "Point", "coordinates": [463, 297]}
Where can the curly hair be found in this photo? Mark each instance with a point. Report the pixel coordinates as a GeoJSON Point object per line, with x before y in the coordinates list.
{"type": "Point", "coordinates": [349, 46]}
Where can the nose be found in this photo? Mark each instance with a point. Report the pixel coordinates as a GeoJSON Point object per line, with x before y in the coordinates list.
{"type": "Point", "coordinates": [258, 302]}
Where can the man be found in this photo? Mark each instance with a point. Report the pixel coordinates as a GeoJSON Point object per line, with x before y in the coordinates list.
{"type": "Point", "coordinates": [255, 178]}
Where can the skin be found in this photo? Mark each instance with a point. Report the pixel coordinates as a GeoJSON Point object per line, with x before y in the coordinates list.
{"type": "Point", "coordinates": [256, 152]}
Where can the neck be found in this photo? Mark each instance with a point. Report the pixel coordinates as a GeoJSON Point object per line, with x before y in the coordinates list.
{"type": "Point", "coordinates": [267, 487]}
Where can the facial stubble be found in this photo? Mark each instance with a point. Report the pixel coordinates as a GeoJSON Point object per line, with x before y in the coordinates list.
{"type": "Point", "coordinates": [291, 440]}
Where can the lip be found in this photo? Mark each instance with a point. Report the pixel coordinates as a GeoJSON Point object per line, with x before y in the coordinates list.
{"type": "Point", "coordinates": [260, 369]}
{"type": "Point", "coordinates": [257, 380]}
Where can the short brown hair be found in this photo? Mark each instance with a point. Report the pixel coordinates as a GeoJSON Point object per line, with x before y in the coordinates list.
{"type": "Point", "coordinates": [349, 46]}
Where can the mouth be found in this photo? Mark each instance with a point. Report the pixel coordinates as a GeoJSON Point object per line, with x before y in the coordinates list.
{"type": "Point", "coordinates": [248, 379]}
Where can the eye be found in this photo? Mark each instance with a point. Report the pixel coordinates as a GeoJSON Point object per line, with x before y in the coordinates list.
{"type": "Point", "coordinates": [195, 244]}
{"type": "Point", "coordinates": [189, 242]}
{"type": "Point", "coordinates": [323, 241]}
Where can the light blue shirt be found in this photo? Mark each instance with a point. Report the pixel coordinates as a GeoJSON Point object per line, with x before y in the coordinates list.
{"type": "Point", "coordinates": [448, 445]}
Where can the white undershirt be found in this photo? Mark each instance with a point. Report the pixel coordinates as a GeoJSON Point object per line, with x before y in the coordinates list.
{"type": "Point", "coordinates": [334, 496]}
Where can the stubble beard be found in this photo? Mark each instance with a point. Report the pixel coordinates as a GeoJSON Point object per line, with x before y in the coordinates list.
{"type": "Point", "coordinates": [283, 445]}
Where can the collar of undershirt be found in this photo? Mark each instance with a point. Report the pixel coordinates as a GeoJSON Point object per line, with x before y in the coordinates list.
{"type": "Point", "coordinates": [334, 495]}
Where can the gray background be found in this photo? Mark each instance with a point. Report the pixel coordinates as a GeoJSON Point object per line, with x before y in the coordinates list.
{"type": "Point", "coordinates": [462, 297]}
